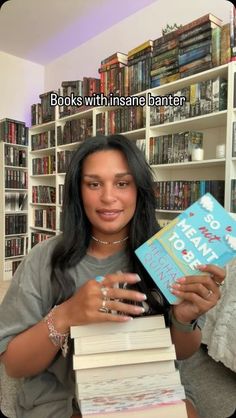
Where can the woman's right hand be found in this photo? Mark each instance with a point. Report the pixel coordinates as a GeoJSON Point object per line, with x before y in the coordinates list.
{"type": "Point", "coordinates": [89, 303]}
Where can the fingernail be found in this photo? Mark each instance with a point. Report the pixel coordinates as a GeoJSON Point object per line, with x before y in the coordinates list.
{"type": "Point", "coordinates": [175, 285]}
{"type": "Point", "coordinates": [181, 280]}
{"type": "Point", "coordinates": [139, 309]}
{"type": "Point", "coordinates": [141, 296]}
{"type": "Point", "coordinates": [138, 278]}
{"type": "Point", "coordinates": [99, 279]}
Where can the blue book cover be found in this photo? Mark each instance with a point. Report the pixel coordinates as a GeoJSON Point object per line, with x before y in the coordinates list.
{"type": "Point", "coordinates": [205, 233]}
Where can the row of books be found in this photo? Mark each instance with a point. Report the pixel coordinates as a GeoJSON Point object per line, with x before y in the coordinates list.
{"type": "Point", "coordinates": [75, 130]}
{"type": "Point", "coordinates": [10, 267]}
{"type": "Point", "coordinates": [16, 179]}
{"type": "Point", "coordinates": [16, 201]}
{"type": "Point", "coordinates": [15, 224]}
{"type": "Point", "coordinates": [37, 237]}
{"type": "Point", "coordinates": [44, 165]}
{"type": "Point", "coordinates": [13, 132]}
{"type": "Point", "coordinates": [43, 140]}
{"type": "Point", "coordinates": [180, 194]}
{"type": "Point", "coordinates": [197, 46]}
{"type": "Point", "coordinates": [44, 218]}
{"type": "Point", "coordinates": [16, 246]}
{"type": "Point", "coordinates": [43, 194]}
{"type": "Point", "coordinates": [174, 148]}
{"type": "Point", "coordinates": [15, 157]}
{"type": "Point", "coordinates": [233, 196]}
{"type": "Point", "coordinates": [83, 88]}
{"type": "Point", "coordinates": [127, 370]}
{"type": "Point", "coordinates": [201, 98]}
{"type": "Point", "coordinates": [60, 193]}
{"type": "Point", "coordinates": [125, 119]}
{"type": "Point", "coordinates": [63, 160]}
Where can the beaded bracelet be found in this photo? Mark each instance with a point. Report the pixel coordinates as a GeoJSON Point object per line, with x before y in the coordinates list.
{"type": "Point", "coordinates": [58, 339]}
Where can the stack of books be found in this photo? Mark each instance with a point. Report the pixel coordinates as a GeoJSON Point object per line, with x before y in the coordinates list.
{"type": "Point", "coordinates": [114, 75]}
{"type": "Point", "coordinates": [199, 45]}
{"type": "Point", "coordinates": [139, 66]}
{"type": "Point", "coordinates": [165, 63]}
{"type": "Point", "coordinates": [127, 370]}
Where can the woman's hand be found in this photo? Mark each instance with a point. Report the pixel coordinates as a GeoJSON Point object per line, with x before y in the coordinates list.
{"type": "Point", "coordinates": [199, 293]}
{"type": "Point", "coordinates": [101, 301]}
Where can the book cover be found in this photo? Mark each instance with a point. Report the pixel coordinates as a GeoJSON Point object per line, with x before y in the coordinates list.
{"type": "Point", "coordinates": [203, 234]}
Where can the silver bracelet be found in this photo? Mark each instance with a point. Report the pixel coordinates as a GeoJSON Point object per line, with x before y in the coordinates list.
{"type": "Point", "coordinates": [58, 339]}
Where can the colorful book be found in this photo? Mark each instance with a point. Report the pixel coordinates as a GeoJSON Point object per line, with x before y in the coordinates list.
{"type": "Point", "coordinates": [205, 233]}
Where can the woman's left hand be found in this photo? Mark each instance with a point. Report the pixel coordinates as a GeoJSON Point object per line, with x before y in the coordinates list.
{"type": "Point", "coordinates": [199, 293]}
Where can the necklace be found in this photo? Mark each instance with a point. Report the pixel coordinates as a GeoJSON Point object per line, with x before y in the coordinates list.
{"type": "Point", "coordinates": [109, 242]}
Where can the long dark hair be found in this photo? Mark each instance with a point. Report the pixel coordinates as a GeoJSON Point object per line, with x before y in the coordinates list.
{"type": "Point", "coordinates": [76, 230]}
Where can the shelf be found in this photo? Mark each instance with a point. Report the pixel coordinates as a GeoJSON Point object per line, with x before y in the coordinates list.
{"type": "Point", "coordinates": [71, 146]}
{"type": "Point", "coordinates": [43, 151]}
{"type": "Point", "coordinates": [43, 229]}
{"type": "Point", "coordinates": [20, 146]}
{"type": "Point", "coordinates": [16, 235]}
{"type": "Point", "coordinates": [15, 257]}
{"type": "Point", "coordinates": [42, 204]}
{"type": "Point", "coordinates": [16, 212]}
{"type": "Point", "coordinates": [12, 189]}
{"type": "Point", "coordinates": [168, 211]}
{"type": "Point", "coordinates": [211, 120]}
{"type": "Point", "coordinates": [190, 164]}
{"type": "Point", "coordinates": [14, 167]}
{"type": "Point", "coordinates": [136, 134]}
{"type": "Point", "coordinates": [183, 82]}
{"type": "Point", "coordinates": [42, 175]}
{"type": "Point", "coordinates": [43, 127]}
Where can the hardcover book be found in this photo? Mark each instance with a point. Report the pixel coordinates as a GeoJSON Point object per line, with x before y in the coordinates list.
{"type": "Point", "coordinates": [203, 234]}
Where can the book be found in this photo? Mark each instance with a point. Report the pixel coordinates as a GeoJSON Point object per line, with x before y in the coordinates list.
{"type": "Point", "coordinates": [98, 374]}
{"type": "Point", "coordinates": [119, 358]}
{"type": "Point", "coordinates": [130, 384]}
{"type": "Point", "coordinates": [172, 409]}
{"type": "Point", "coordinates": [204, 233]}
{"type": "Point", "coordinates": [156, 398]}
{"type": "Point", "coordinates": [138, 324]}
{"type": "Point", "coordinates": [122, 341]}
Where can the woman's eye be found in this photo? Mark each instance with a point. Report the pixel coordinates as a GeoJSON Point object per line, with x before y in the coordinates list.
{"type": "Point", "coordinates": [94, 185]}
{"type": "Point", "coordinates": [122, 184]}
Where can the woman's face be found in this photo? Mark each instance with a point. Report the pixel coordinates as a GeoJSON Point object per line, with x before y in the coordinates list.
{"type": "Point", "coordinates": [109, 194]}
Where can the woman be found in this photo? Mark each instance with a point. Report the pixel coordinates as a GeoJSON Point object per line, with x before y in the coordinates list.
{"type": "Point", "coordinates": [108, 211]}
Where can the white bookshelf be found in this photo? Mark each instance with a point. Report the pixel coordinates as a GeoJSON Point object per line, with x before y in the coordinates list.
{"type": "Point", "coordinates": [216, 128]}
{"type": "Point", "coordinates": [13, 206]}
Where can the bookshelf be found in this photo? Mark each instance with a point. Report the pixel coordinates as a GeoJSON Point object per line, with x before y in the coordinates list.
{"type": "Point", "coordinates": [14, 195]}
{"type": "Point", "coordinates": [216, 128]}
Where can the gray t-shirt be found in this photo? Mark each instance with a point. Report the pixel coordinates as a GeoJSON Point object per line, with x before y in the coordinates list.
{"type": "Point", "coordinates": [27, 301]}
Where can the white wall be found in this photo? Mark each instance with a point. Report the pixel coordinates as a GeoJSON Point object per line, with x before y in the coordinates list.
{"type": "Point", "coordinates": [21, 82]}
{"type": "Point", "coordinates": [145, 24]}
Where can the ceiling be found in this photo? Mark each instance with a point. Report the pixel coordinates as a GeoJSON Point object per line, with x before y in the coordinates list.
{"type": "Point", "coordinates": [42, 30]}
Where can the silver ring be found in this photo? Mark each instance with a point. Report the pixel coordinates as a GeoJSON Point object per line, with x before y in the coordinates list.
{"type": "Point", "coordinates": [209, 294]}
{"type": "Point", "coordinates": [104, 292]}
{"type": "Point", "coordinates": [104, 308]}
{"type": "Point", "coordinates": [219, 284]}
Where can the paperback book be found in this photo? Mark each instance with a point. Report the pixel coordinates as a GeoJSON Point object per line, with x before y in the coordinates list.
{"type": "Point", "coordinates": [204, 233]}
